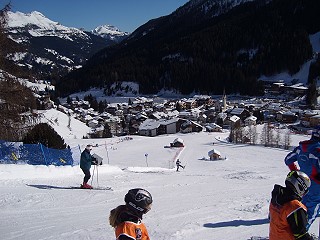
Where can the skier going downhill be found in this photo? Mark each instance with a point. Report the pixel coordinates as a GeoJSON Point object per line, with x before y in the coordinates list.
{"type": "Point", "coordinates": [288, 216]}
{"type": "Point", "coordinates": [178, 164]}
{"type": "Point", "coordinates": [306, 158]}
{"type": "Point", "coordinates": [127, 219]}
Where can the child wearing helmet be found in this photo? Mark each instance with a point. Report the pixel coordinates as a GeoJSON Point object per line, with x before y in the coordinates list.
{"type": "Point", "coordinates": [305, 158]}
{"type": "Point", "coordinates": [288, 216]}
{"type": "Point", "coordinates": [127, 219]}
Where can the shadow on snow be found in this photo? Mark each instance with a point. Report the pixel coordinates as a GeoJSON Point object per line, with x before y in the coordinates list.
{"type": "Point", "coordinates": [236, 223]}
{"type": "Point", "coordinates": [39, 186]}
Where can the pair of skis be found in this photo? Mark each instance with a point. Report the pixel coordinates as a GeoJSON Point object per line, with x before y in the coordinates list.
{"type": "Point", "coordinates": [93, 188]}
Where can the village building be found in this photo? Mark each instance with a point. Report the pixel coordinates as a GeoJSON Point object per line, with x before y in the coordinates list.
{"type": "Point", "coordinates": [235, 121]}
{"type": "Point", "coordinates": [191, 103]}
{"type": "Point", "coordinates": [168, 126]}
{"type": "Point", "coordinates": [149, 128]}
{"type": "Point", "coordinates": [214, 154]}
{"type": "Point", "coordinates": [251, 120]}
{"type": "Point", "coordinates": [242, 113]}
{"type": "Point", "coordinates": [286, 117]}
{"type": "Point", "coordinates": [213, 127]}
{"type": "Point", "coordinates": [315, 120]}
{"type": "Point", "coordinates": [178, 142]}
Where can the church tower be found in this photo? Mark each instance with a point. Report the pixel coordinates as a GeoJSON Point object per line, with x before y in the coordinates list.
{"type": "Point", "coordinates": [224, 101]}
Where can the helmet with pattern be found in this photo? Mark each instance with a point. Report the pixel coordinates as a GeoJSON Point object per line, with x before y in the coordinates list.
{"type": "Point", "coordinates": [139, 200]}
{"type": "Point", "coordinates": [299, 182]}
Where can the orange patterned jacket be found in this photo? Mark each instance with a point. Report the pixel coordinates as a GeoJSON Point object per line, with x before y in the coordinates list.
{"type": "Point", "coordinates": [132, 230]}
{"type": "Point", "coordinates": [279, 226]}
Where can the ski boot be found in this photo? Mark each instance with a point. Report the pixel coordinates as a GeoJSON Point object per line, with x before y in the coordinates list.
{"type": "Point", "coordinates": [86, 186]}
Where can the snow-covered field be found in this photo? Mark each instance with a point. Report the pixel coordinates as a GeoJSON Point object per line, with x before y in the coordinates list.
{"type": "Point", "coordinates": [208, 200]}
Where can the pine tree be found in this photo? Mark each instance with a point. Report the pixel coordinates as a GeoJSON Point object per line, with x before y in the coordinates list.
{"type": "Point", "coordinates": [46, 135]}
{"type": "Point", "coordinates": [106, 131]}
{"type": "Point", "coordinates": [312, 94]}
{"type": "Point", "coordinates": [69, 100]}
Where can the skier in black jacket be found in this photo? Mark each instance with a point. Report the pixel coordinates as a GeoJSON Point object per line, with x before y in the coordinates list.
{"type": "Point", "coordinates": [178, 165]}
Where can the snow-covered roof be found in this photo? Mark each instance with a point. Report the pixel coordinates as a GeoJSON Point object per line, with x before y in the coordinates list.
{"type": "Point", "coordinates": [213, 125]}
{"type": "Point", "coordinates": [149, 124]}
{"type": "Point", "coordinates": [178, 140]}
{"type": "Point", "coordinates": [237, 111]}
{"type": "Point", "coordinates": [251, 118]}
{"type": "Point", "coordinates": [234, 118]}
{"type": "Point", "coordinates": [315, 116]}
{"type": "Point", "coordinates": [214, 151]}
{"type": "Point", "coordinates": [168, 121]}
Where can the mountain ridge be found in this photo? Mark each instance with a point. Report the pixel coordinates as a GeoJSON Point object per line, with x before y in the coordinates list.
{"type": "Point", "coordinates": [49, 47]}
{"type": "Point", "coordinates": [228, 51]}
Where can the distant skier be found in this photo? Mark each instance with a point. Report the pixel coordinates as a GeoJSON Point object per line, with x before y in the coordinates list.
{"type": "Point", "coordinates": [288, 216]}
{"type": "Point", "coordinates": [85, 165]}
{"type": "Point", "coordinates": [178, 164]}
{"type": "Point", "coordinates": [127, 219]}
{"type": "Point", "coordinates": [306, 158]}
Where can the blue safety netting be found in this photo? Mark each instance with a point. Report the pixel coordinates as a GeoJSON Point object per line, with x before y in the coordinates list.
{"type": "Point", "coordinates": [35, 154]}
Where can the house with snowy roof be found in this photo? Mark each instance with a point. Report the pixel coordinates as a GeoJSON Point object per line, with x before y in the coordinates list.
{"type": "Point", "coordinates": [235, 121]}
{"type": "Point", "coordinates": [251, 120]}
{"type": "Point", "coordinates": [149, 127]}
{"type": "Point", "coordinates": [214, 154]}
{"type": "Point", "coordinates": [286, 117]}
{"type": "Point", "coordinates": [178, 142]}
{"type": "Point", "coordinates": [242, 113]}
{"type": "Point", "coordinates": [190, 126]}
{"type": "Point", "coordinates": [168, 126]}
{"type": "Point", "coordinates": [213, 127]}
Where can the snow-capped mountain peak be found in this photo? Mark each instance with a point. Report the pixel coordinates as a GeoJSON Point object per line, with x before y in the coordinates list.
{"type": "Point", "coordinates": [38, 25]}
{"type": "Point", "coordinates": [53, 46]}
{"type": "Point", "coordinates": [109, 32]}
{"type": "Point", "coordinates": [19, 19]}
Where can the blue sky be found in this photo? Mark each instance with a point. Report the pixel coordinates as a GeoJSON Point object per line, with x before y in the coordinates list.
{"type": "Point", "coordinates": [127, 15]}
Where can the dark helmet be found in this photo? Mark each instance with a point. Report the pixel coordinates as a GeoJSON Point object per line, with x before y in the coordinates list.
{"type": "Point", "coordinates": [316, 132]}
{"type": "Point", "coordinates": [139, 200]}
{"type": "Point", "coordinates": [299, 182]}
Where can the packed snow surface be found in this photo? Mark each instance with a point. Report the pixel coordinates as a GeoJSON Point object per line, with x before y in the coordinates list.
{"type": "Point", "coordinates": [210, 200]}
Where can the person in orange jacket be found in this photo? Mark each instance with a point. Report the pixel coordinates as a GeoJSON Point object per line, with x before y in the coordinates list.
{"type": "Point", "coordinates": [127, 219]}
{"type": "Point", "coordinates": [288, 216]}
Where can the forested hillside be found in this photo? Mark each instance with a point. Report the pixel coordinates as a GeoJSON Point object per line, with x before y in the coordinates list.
{"type": "Point", "coordinates": [228, 52]}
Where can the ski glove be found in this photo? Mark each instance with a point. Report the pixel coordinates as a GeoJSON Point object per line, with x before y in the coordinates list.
{"type": "Point", "coordinates": [94, 161]}
{"type": "Point", "coordinates": [293, 167]}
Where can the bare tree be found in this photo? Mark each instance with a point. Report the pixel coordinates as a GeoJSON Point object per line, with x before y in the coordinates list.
{"type": "Point", "coordinates": [253, 136]}
{"type": "Point", "coordinates": [263, 136]}
{"type": "Point", "coordinates": [287, 139]}
{"type": "Point", "coordinates": [278, 138]}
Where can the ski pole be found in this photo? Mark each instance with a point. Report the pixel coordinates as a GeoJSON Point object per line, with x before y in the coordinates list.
{"type": "Point", "coordinates": [94, 168]}
{"type": "Point", "coordinates": [97, 176]}
{"type": "Point", "coordinates": [319, 230]}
